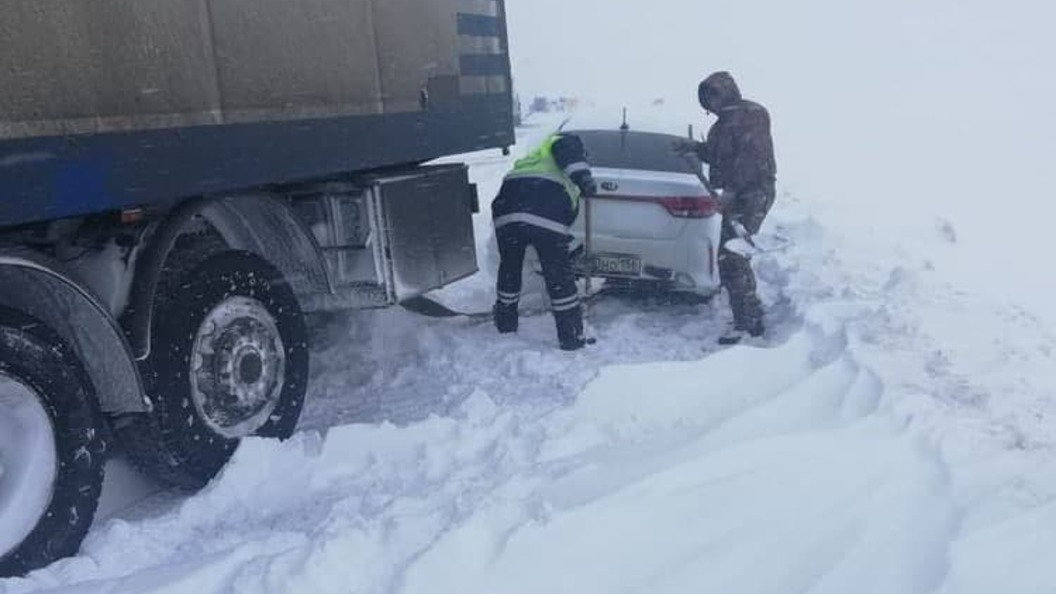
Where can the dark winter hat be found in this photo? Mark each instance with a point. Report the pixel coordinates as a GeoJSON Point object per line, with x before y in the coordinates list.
{"type": "Point", "coordinates": [717, 91]}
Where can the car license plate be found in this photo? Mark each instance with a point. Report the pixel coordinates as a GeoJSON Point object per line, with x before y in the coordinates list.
{"type": "Point", "coordinates": [616, 264]}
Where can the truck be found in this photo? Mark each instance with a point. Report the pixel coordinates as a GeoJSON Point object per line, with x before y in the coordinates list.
{"type": "Point", "coordinates": [181, 183]}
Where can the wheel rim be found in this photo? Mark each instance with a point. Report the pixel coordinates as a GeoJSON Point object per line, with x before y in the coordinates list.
{"type": "Point", "coordinates": [26, 481]}
{"type": "Point", "coordinates": [238, 367]}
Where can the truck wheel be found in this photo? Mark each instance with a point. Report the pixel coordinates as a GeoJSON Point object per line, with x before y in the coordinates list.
{"type": "Point", "coordinates": [52, 449]}
{"type": "Point", "coordinates": [229, 359]}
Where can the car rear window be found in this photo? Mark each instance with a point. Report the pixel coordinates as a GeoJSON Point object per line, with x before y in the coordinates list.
{"type": "Point", "coordinates": [647, 151]}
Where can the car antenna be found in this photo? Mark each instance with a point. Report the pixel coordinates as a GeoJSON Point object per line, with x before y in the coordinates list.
{"type": "Point", "coordinates": [624, 127]}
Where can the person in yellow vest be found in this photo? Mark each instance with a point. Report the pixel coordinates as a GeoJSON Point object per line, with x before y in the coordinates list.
{"type": "Point", "coordinates": [536, 206]}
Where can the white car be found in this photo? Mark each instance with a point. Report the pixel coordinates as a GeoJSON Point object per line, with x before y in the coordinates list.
{"type": "Point", "coordinates": [654, 225]}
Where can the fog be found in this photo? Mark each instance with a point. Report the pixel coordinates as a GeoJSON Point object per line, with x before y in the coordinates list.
{"type": "Point", "coordinates": [906, 109]}
{"type": "Point", "coordinates": [887, 94]}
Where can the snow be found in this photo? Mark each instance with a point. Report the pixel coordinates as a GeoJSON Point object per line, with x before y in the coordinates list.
{"type": "Point", "coordinates": [893, 434]}
{"type": "Point", "coordinates": [25, 486]}
{"type": "Point", "coordinates": [877, 443]}
{"type": "Point", "coordinates": [511, 493]}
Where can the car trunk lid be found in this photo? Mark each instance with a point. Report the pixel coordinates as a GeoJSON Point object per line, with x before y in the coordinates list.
{"type": "Point", "coordinates": [634, 204]}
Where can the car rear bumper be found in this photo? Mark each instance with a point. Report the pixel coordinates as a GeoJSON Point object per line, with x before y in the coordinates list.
{"type": "Point", "coordinates": [688, 262]}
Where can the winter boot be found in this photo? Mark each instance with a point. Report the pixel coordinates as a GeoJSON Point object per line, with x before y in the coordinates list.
{"type": "Point", "coordinates": [736, 334]}
{"type": "Point", "coordinates": [570, 330]}
{"type": "Point", "coordinates": [732, 336]}
{"type": "Point", "coordinates": [506, 318]}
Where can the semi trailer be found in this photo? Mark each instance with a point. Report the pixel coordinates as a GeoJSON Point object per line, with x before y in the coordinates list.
{"type": "Point", "coordinates": [180, 184]}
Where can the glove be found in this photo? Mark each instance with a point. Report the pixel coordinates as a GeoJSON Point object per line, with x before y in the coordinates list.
{"type": "Point", "coordinates": [682, 146]}
{"type": "Point", "coordinates": [741, 232]}
{"type": "Point", "coordinates": [591, 188]}
{"type": "Point", "coordinates": [726, 199]}
{"type": "Point", "coordinates": [588, 186]}
{"type": "Point", "coordinates": [685, 146]}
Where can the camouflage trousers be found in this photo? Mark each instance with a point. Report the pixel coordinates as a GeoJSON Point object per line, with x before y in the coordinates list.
{"type": "Point", "coordinates": [749, 208]}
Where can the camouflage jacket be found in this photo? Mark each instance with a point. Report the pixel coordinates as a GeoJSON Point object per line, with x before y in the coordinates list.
{"type": "Point", "coordinates": [739, 149]}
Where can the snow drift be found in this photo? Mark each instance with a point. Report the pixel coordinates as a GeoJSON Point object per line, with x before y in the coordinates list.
{"type": "Point", "coordinates": [877, 444]}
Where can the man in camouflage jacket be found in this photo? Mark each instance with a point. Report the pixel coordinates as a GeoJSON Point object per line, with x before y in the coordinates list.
{"type": "Point", "coordinates": [740, 153]}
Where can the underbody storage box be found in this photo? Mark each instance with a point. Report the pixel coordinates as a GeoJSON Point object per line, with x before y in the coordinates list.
{"type": "Point", "coordinates": [425, 229]}
{"type": "Point", "coordinates": [392, 236]}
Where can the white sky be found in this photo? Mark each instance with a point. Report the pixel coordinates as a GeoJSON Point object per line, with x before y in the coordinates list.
{"type": "Point", "coordinates": [950, 97]}
{"type": "Point", "coordinates": [904, 109]}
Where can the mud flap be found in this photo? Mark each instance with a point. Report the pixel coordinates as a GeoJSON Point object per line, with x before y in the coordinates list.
{"type": "Point", "coordinates": [423, 305]}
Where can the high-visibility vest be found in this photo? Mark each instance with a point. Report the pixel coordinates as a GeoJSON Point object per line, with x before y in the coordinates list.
{"type": "Point", "coordinates": [541, 164]}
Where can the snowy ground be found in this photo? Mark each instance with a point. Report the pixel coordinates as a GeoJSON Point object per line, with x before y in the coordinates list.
{"type": "Point", "coordinates": [895, 435]}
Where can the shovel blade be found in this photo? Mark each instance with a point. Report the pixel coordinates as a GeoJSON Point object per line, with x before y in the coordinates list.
{"type": "Point", "coordinates": [760, 244]}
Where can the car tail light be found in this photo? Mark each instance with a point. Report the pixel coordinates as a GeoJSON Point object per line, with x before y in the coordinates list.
{"type": "Point", "coordinates": [690, 207]}
{"type": "Point", "coordinates": [683, 207]}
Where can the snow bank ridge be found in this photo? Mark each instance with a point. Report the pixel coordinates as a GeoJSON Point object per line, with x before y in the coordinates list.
{"type": "Point", "coordinates": [665, 477]}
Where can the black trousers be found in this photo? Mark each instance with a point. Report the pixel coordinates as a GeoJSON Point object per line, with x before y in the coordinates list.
{"type": "Point", "coordinates": [554, 256]}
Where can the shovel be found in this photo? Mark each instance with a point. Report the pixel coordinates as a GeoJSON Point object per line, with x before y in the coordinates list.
{"type": "Point", "coordinates": [588, 225]}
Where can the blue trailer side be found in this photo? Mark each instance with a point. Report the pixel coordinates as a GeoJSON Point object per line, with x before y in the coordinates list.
{"type": "Point", "coordinates": [181, 185]}
{"type": "Point", "coordinates": [60, 177]}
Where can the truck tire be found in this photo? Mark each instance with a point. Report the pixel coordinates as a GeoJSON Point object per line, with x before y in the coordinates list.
{"type": "Point", "coordinates": [47, 407]}
{"type": "Point", "coordinates": [229, 359]}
